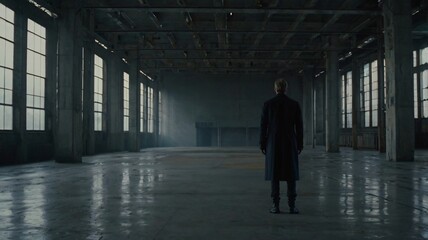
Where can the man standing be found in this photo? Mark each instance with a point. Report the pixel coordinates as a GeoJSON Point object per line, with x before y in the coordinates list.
{"type": "Point", "coordinates": [281, 140]}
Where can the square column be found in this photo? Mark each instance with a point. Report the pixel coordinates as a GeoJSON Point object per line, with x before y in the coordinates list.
{"type": "Point", "coordinates": [134, 106]}
{"type": "Point", "coordinates": [381, 105]}
{"type": "Point", "coordinates": [308, 107]}
{"type": "Point", "coordinates": [114, 103]}
{"type": "Point", "coordinates": [400, 125]}
{"type": "Point", "coordinates": [68, 137]}
{"type": "Point", "coordinates": [356, 116]}
{"type": "Point", "coordinates": [88, 101]}
{"type": "Point", "coordinates": [20, 86]}
{"type": "Point", "coordinates": [332, 98]}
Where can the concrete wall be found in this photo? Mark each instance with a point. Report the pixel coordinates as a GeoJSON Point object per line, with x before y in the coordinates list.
{"type": "Point", "coordinates": [231, 102]}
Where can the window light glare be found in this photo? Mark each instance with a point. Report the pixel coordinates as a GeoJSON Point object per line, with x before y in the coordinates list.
{"type": "Point", "coordinates": [45, 10]}
{"type": "Point", "coordinates": [147, 76]}
{"type": "Point", "coordinates": [101, 44]}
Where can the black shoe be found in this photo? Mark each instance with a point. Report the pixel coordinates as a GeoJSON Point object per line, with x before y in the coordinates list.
{"type": "Point", "coordinates": [294, 210]}
{"type": "Point", "coordinates": [275, 209]}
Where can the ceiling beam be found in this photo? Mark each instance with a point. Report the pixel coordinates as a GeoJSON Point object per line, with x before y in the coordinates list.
{"type": "Point", "coordinates": [293, 30]}
{"type": "Point", "coordinates": [221, 25]}
{"type": "Point", "coordinates": [267, 50]}
{"type": "Point", "coordinates": [232, 58]}
{"type": "Point", "coordinates": [196, 38]}
{"type": "Point", "coordinates": [299, 20]}
{"type": "Point", "coordinates": [214, 10]}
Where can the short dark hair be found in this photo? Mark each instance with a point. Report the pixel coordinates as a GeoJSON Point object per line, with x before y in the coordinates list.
{"type": "Point", "coordinates": [280, 85]}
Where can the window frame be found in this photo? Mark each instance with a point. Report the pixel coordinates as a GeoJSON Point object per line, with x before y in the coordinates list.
{"type": "Point", "coordinates": [368, 112]}
{"type": "Point", "coordinates": [36, 98]}
{"type": "Point", "coordinates": [125, 102]}
{"type": "Point", "coordinates": [7, 68]}
{"type": "Point", "coordinates": [99, 93]}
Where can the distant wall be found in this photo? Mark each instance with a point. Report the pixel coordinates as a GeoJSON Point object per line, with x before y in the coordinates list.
{"type": "Point", "coordinates": [216, 109]}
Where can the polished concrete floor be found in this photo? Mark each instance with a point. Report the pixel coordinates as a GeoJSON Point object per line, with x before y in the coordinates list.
{"type": "Point", "coordinates": [204, 193]}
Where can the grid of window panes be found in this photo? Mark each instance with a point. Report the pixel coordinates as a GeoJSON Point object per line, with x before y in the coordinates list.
{"type": "Point", "coordinates": [374, 93]}
{"type": "Point", "coordinates": [343, 98]}
{"type": "Point", "coordinates": [125, 101]}
{"type": "Point", "coordinates": [142, 106]}
{"type": "Point", "coordinates": [415, 84]}
{"type": "Point", "coordinates": [6, 67]}
{"type": "Point", "coordinates": [348, 99]}
{"type": "Point", "coordinates": [36, 75]}
{"type": "Point", "coordinates": [424, 81]}
{"type": "Point", "coordinates": [150, 110]}
{"type": "Point", "coordinates": [98, 92]}
{"type": "Point", "coordinates": [365, 94]}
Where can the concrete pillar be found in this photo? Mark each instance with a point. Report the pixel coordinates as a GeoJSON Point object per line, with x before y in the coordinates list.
{"type": "Point", "coordinates": [114, 103]}
{"type": "Point", "coordinates": [156, 111]}
{"type": "Point", "coordinates": [400, 125]}
{"type": "Point", "coordinates": [134, 106]}
{"type": "Point", "coordinates": [19, 85]}
{"type": "Point", "coordinates": [68, 137]}
{"type": "Point", "coordinates": [88, 101]}
{"type": "Point", "coordinates": [356, 116]}
{"type": "Point", "coordinates": [332, 98]}
{"type": "Point", "coordinates": [381, 105]}
{"type": "Point", "coordinates": [51, 83]}
{"type": "Point", "coordinates": [88, 141]}
{"type": "Point", "coordinates": [308, 100]}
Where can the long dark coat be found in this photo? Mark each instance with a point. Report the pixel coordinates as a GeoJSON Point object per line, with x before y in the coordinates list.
{"type": "Point", "coordinates": [281, 131]}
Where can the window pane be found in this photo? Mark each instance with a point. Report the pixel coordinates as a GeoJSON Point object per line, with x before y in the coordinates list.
{"type": "Point", "coordinates": [8, 97]}
{"type": "Point", "coordinates": [10, 15]}
{"type": "Point", "coordinates": [8, 123]}
{"type": "Point", "coordinates": [42, 120]}
{"type": "Point", "coordinates": [36, 119]}
{"type": "Point", "coordinates": [425, 109]}
{"type": "Point", "coordinates": [2, 93]}
{"type": "Point", "coordinates": [37, 86]}
{"type": "Point", "coordinates": [30, 101]}
{"type": "Point", "coordinates": [30, 41]}
{"type": "Point", "coordinates": [367, 119]}
{"type": "Point", "coordinates": [2, 52]}
{"type": "Point", "coordinates": [42, 66]}
{"type": "Point", "coordinates": [424, 56]}
{"type": "Point", "coordinates": [374, 120]}
{"type": "Point", "coordinates": [8, 79]}
{"type": "Point", "coordinates": [9, 55]}
{"type": "Point", "coordinates": [30, 119]}
{"type": "Point", "coordinates": [9, 31]}
{"type": "Point", "coordinates": [2, 27]}
{"type": "Point", "coordinates": [2, 115]}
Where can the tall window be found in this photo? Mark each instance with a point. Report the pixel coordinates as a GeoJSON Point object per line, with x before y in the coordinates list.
{"type": "Point", "coordinates": [98, 92]}
{"type": "Point", "coordinates": [424, 81]}
{"type": "Point", "coordinates": [347, 100]}
{"type": "Point", "coordinates": [125, 101]}
{"type": "Point", "coordinates": [415, 84]}
{"type": "Point", "coordinates": [374, 94]}
{"type": "Point", "coordinates": [36, 76]}
{"type": "Point", "coordinates": [369, 94]}
{"type": "Point", "coordinates": [150, 110]}
{"type": "Point", "coordinates": [6, 67]}
{"type": "Point", "coordinates": [142, 106]}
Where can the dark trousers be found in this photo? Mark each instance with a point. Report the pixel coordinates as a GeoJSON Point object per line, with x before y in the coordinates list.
{"type": "Point", "coordinates": [291, 192]}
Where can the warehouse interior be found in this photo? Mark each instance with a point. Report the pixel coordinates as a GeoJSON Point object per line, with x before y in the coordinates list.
{"type": "Point", "coordinates": [140, 118]}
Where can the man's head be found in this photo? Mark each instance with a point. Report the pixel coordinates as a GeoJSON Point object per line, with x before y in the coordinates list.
{"type": "Point", "coordinates": [280, 85]}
